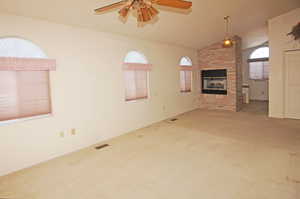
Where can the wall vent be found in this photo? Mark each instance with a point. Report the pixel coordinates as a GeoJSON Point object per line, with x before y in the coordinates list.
{"type": "Point", "coordinates": [101, 146]}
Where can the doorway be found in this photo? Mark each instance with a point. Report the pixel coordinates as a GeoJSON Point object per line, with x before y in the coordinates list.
{"type": "Point", "coordinates": [256, 79]}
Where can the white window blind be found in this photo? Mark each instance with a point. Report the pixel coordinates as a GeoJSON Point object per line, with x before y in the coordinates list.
{"type": "Point", "coordinates": [185, 74]}
{"type": "Point", "coordinates": [136, 69]}
{"type": "Point", "coordinates": [185, 81]}
{"type": "Point", "coordinates": [24, 94]}
{"type": "Point", "coordinates": [136, 85]}
{"type": "Point", "coordinates": [24, 80]}
{"type": "Point", "coordinates": [259, 70]}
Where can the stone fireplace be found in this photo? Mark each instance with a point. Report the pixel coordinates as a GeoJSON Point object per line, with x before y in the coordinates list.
{"type": "Point", "coordinates": [221, 76]}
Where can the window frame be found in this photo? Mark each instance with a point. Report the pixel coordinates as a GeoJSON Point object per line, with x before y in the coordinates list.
{"type": "Point", "coordinates": [261, 60]}
{"type": "Point", "coordinates": [188, 60]}
{"type": "Point", "coordinates": [263, 71]}
{"type": "Point", "coordinates": [141, 99]}
{"type": "Point", "coordinates": [41, 55]}
{"type": "Point", "coordinates": [186, 68]}
{"type": "Point", "coordinates": [25, 119]}
{"type": "Point", "coordinates": [143, 62]}
{"type": "Point", "coordinates": [251, 57]}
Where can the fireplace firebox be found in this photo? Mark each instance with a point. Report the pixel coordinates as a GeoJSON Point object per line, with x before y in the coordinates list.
{"type": "Point", "coordinates": [214, 81]}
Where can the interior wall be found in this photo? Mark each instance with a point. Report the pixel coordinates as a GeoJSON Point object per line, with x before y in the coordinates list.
{"type": "Point", "coordinates": [279, 43]}
{"type": "Point", "coordinates": [254, 38]}
{"type": "Point", "coordinates": [259, 89]}
{"type": "Point", "coordinates": [88, 91]}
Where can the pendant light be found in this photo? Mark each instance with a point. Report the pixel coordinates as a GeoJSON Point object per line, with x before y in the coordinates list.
{"type": "Point", "coordinates": [227, 43]}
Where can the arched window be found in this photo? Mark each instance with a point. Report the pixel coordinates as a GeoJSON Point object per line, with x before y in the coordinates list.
{"type": "Point", "coordinates": [259, 64]}
{"type": "Point", "coordinates": [16, 47]}
{"type": "Point", "coordinates": [135, 57]}
{"type": "Point", "coordinates": [185, 74]}
{"type": "Point", "coordinates": [186, 61]}
{"type": "Point", "coordinates": [262, 52]}
{"type": "Point", "coordinates": [24, 80]}
{"type": "Point", "coordinates": [136, 70]}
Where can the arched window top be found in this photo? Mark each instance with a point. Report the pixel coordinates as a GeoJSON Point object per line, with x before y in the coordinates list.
{"type": "Point", "coordinates": [262, 52]}
{"type": "Point", "coordinates": [135, 57]}
{"type": "Point", "coordinates": [185, 61]}
{"type": "Point", "coordinates": [20, 48]}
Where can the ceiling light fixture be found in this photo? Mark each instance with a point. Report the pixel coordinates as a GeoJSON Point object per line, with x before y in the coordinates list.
{"type": "Point", "coordinates": [228, 42]}
{"type": "Point", "coordinates": [144, 9]}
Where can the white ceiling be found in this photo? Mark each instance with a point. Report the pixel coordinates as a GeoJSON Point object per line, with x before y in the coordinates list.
{"type": "Point", "coordinates": [204, 25]}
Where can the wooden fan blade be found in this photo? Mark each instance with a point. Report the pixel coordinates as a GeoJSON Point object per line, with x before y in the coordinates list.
{"type": "Point", "coordinates": [153, 12]}
{"type": "Point", "coordinates": [146, 15]}
{"type": "Point", "coordinates": [110, 7]}
{"type": "Point", "coordinates": [174, 3]}
{"type": "Point", "coordinates": [140, 17]}
{"type": "Point", "coordinates": [124, 11]}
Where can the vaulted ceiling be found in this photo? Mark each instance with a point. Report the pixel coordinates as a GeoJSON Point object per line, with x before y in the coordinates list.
{"type": "Point", "coordinates": [202, 26]}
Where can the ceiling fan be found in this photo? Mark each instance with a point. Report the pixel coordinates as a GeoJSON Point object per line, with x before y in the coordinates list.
{"type": "Point", "coordinates": [143, 8]}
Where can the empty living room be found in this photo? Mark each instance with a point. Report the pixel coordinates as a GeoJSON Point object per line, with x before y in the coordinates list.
{"type": "Point", "coordinates": [149, 99]}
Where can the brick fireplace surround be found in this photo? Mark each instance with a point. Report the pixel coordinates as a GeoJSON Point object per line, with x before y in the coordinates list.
{"type": "Point", "coordinates": [216, 57]}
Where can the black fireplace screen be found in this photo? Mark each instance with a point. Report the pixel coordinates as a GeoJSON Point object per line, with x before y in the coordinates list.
{"type": "Point", "coordinates": [214, 81]}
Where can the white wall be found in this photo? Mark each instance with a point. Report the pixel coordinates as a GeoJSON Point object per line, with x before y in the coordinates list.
{"type": "Point", "coordinates": [255, 37]}
{"type": "Point", "coordinates": [280, 42]}
{"type": "Point", "coordinates": [259, 89]}
{"type": "Point", "coordinates": [88, 91]}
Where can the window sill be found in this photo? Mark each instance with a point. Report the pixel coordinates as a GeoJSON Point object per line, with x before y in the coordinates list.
{"type": "Point", "coordinates": [9, 122]}
{"type": "Point", "coordinates": [259, 79]}
{"type": "Point", "coordinates": [137, 100]}
{"type": "Point", "coordinates": [185, 92]}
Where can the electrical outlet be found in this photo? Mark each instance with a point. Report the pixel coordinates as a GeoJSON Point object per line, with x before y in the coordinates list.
{"type": "Point", "coordinates": [62, 134]}
{"type": "Point", "coordinates": [73, 131]}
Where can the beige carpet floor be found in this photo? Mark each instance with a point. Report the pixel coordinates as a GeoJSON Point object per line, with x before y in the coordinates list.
{"type": "Point", "coordinates": [203, 155]}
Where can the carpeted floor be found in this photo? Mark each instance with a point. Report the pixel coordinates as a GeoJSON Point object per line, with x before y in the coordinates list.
{"type": "Point", "coordinates": [204, 154]}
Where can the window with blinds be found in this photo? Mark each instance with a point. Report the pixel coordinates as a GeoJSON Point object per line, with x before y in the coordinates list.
{"type": "Point", "coordinates": [259, 70]}
{"type": "Point", "coordinates": [259, 64]}
{"type": "Point", "coordinates": [136, 71]}
{"type": "Point", "coordinates": [186, 67]}
{"type": "Point", "coordinates": [24, 80]}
